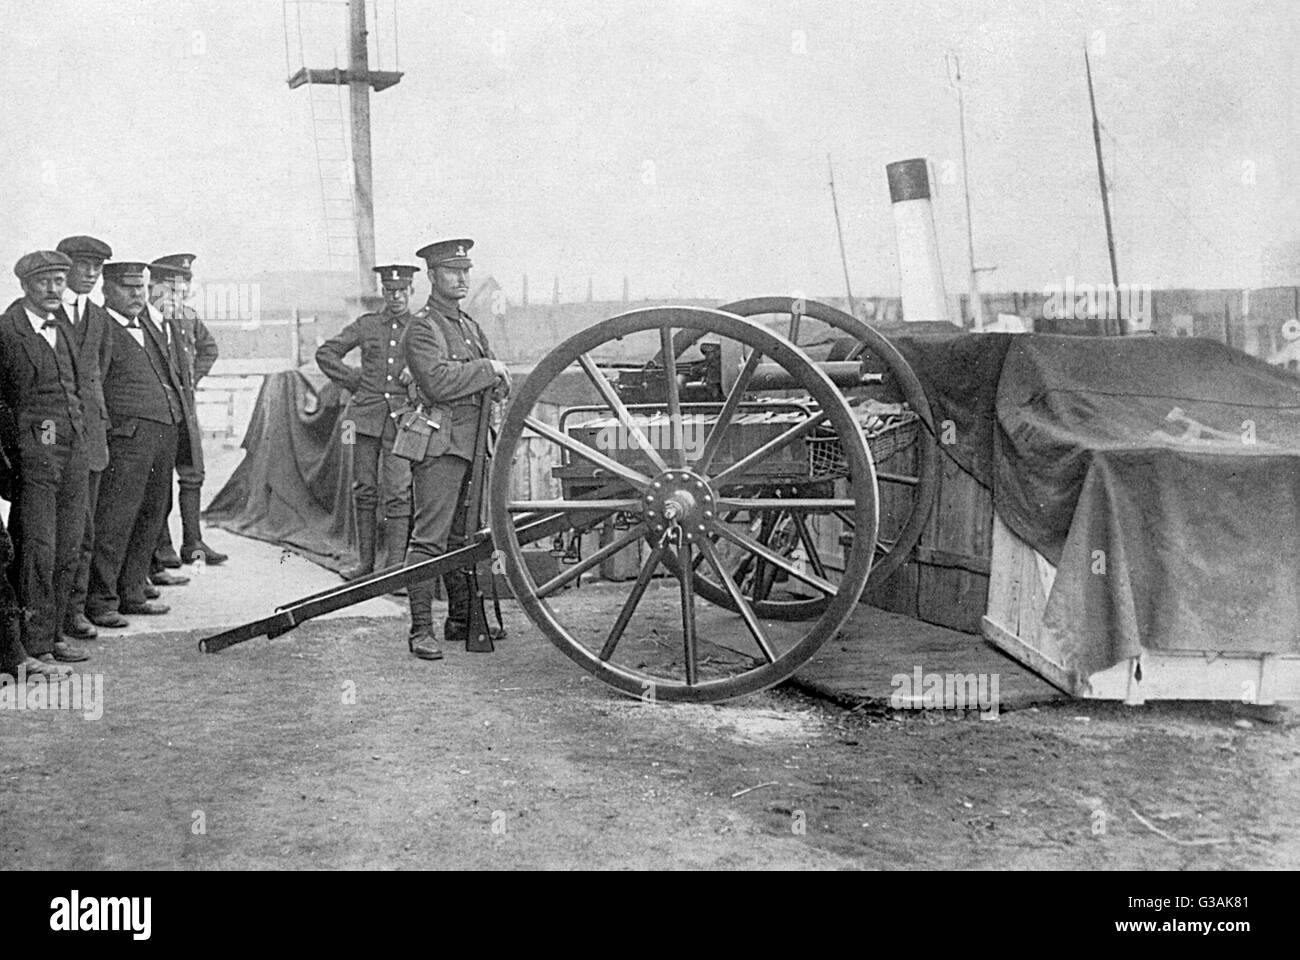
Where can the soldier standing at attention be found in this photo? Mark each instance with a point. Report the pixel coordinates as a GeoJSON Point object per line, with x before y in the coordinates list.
{"type": "Point", "coordinates": [381, 482]}
{"type": "Point", "coordinates": [193, 352]}
{"type": "Point", "coordinates": [94, 352]}
{"type": "Point", "coordinates": [452, 366]}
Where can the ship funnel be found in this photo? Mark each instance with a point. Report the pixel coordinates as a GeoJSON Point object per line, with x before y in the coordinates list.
{"type": "Point", "coordinates": [920, 276]}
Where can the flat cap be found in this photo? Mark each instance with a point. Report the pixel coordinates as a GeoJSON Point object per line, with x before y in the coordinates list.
{"type": "Point", "coordinates": [447, 253]}
{"type": "Point", "coordinates": [85, 247]}
{"type": "Point", "coordinates": [119, 270]}
{"type": "Point", "coordinates": [41, 261]}
{"type": "Point", "coordinates": [172, 265]}
{"type": "Point", "coordinates": [396, 274]}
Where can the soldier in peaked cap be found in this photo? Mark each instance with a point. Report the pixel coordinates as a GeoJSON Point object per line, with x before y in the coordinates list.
{"type": "Point", "coordinates": [193, 351]}
{"type": "Point", "coordinates": [94, 352]}
{"type": "Point", "coordinates": [381, 482]}
{"type": "Point", "coordinates": [452, 367]}
{"type": "Point", "coordinates": [41, 416]}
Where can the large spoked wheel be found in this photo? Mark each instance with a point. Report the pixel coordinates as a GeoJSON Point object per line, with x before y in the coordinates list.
{"type": "Point", "coordinates": [908, 474]}
{"type": "Point", "coordinates": [667, 482]}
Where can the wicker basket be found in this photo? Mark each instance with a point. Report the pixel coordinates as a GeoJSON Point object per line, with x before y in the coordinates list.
{"type": "Point", "coordinates": [885, 436]}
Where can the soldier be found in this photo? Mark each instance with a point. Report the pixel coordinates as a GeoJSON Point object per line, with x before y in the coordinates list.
{"type": "Point", "coordinates": [94, 351]}
{"type": "Point", "coordinates": [369, 422]}
{"type": "Point", "coordinates": [452, 365]}
{"type": "Point", "coordinates": [193, 351]}
{"type": "Point", "coordinates": [44, 424]}
{"type": "Point", "coordinates": [142, 390]}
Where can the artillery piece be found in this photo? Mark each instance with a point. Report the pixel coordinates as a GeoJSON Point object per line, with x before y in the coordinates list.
{"type": "Point", "coordinates": [733, 466]}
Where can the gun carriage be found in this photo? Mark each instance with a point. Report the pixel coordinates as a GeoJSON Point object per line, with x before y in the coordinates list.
{"type": "Point", "coordinates": [741, 476]}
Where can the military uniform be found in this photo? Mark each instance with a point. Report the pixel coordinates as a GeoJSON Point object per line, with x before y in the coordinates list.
{"type": "Point", "coordinates": [193, 351]}
{"type": "Point", "coordinates": [451, 364]}
{"type": "Point", "coordinates": [381, 482]}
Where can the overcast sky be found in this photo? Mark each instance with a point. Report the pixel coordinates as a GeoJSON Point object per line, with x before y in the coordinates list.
{"type": "Point", "coordinates": [680, 142]}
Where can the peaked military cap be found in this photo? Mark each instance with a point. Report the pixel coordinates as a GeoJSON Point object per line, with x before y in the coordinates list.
{"type": "Point", "coordinates": [447, 253]}
{"type": "Point", "coordinates": [396, 274]}
{"type": "Point", "coordinates": [119, 270]}
{"type": "Point", "coordinates": [80, 246]}
{"type": "Point", "coordinates": [41, 261]}
{"type": "Point", "coordinates": [172, 265]}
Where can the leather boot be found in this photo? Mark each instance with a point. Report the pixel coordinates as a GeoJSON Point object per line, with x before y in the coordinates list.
{"type": "Point", "coordinates": [392, 546]}
{"type": "Point", "coordinates": [455, 628]}
{"type": "Point", "coordinates": [192, 545]}
{"type": "Point", "coordinates": [365, 546]}
{"type": "Point", "coordinates": [165, 554]}
{"type": "Point", "coordinates": [456, 584]}
{"type": "Point", "coordinates": [422, 641]}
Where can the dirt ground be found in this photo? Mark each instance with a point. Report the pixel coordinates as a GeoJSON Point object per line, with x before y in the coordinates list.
{"type": "Point", "coordinates": [331, 747]}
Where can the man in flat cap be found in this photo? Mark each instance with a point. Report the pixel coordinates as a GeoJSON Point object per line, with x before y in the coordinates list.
{"type": "Point", "coordinates": [94, 350]}
{"type": "Point", "coordinates": [381, 482]}
{"type": "Point", "coordinates": [40, 392]}
{"type": "Point", "coordinates": [453, 368]}
{"type": "Point", "coordinates": [193, 351]}
{"type": "Point", "coordinates": [142, 390]}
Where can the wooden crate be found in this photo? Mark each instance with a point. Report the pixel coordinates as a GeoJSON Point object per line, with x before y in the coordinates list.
{"type": "Point", "coordinates": [1020, 581]}
{"type": "Point", "coordinates": [946, 581]}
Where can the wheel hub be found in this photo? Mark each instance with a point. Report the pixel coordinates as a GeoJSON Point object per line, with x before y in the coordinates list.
{"type": "Point", "coordinates": [678, 501]}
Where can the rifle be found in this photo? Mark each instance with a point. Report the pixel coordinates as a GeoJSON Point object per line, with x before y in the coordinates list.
{"type": "Point", "coordinates": [478, 635]}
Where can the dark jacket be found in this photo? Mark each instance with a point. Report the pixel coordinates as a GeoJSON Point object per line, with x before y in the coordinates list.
{"type": "Point", "coordinates": [450, 361]}
{"type": "Point", "coordinates": [376, 386]}
{"type": "Point", "coordinates": [132, 388]}
{"type": "Point", "coordinates": [30, 391]}
{"type": "Point", "coordinates": [194, 351]}
{"type": "Point", "coordinates": [94, 353]}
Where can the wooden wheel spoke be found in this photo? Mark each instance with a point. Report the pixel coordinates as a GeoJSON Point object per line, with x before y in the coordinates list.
{"type": "Point", "coordinates": [630, 604]}
{"type": "Point", "coordinates": [573, 506]}
{"type": "Point", "coordinates": [678, 452]}
{"type": "Point", "coordinates": [810, 548]}
{"type": "Point", "coordinates": [903, 478]}
{"type": "Point", "coordinates": [742, 605]}
{"type": "Point", "coordinates": [728, 414]}
{"type": "Point", "coordinates": [767, 449]}
{"type": "Point", "coordinates": [611, 397]}
{"type": "Point", "coordinates": [788, 504]}
{"type": "Point", "coordinates": [604, 553]}
{"type": "Point", "coordinates": [687, 574]}
{"type": "Point", "coordinates": [776, 560]}
{"type": "Point", "coordinates": [845, 519]}
{"type": "Point", "coordinates": [580, 449]}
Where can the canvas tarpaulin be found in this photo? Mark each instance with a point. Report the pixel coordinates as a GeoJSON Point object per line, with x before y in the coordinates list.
{"type": "Point", "coordinates": [1161, 476]}
{"type": "Point", "coordinates": [293, 486]}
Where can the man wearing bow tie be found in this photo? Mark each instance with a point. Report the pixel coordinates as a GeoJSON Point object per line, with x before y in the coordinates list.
{"type": "Point", "coordinates": [142, 392]}
{"type": "Point", "coordinates": [94, 352]}
{"type": "Point", "coordinates": [41, 414]}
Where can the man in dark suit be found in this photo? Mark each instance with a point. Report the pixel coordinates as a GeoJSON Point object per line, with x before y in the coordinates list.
{"type": "Point", "coordinates": [44, 424]}
{"type": "Point", "coordinates": [94, 349]}
{"type": "Point", "coordinates": [194, 351]}
{"type": "Point", "coordinates": [142, 392]}
{"type": "Point", "coordinates": [452, 365]}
